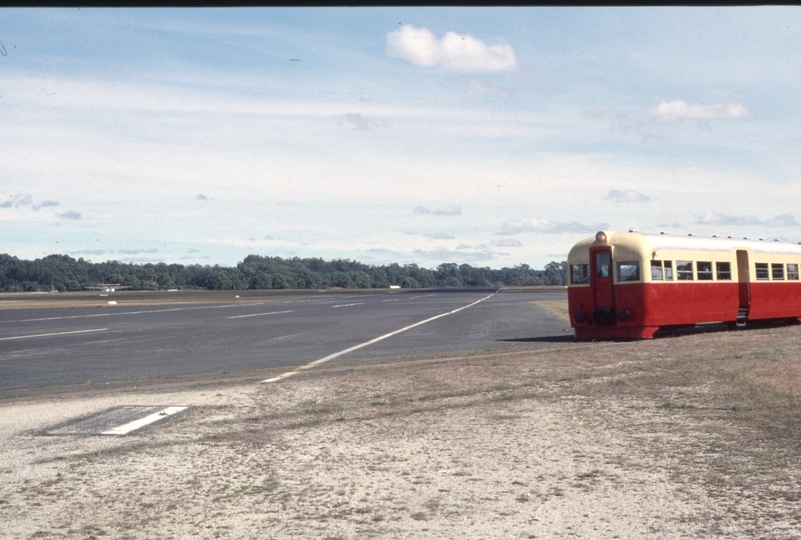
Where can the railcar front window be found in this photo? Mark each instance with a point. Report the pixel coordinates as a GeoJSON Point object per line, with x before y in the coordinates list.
{"type": "Point", "coordinates": [761, 270]}
{"type": "Point", "coordinates": [684, 270]}
{"type": "Point", "coordinates": [579, 273]}
{"type": "Point", "coordinates": [628, 271]}
{"type": "Point", "coordinates": [792, 271]}
{"type": "Point", "coordinates": [668, 270]}
{"type": "Point", "coordinates": [723, 270]}
{"type": "Point", "coordinates": [656, 271]}
{"type": "Point", "coordinates": [602, 261]}
{"type": "Point", "coordinates": [777, 271]}
{"type": "Point", "coordinates": [704, 271]}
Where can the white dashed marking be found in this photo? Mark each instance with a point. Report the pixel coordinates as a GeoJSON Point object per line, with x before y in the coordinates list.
{"type": "Point", "coordinates": [55, 334]}
{"type": "Point", "coordinates": [258, 314]}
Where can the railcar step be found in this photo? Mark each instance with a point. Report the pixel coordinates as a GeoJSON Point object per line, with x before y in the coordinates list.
{"type": "Point", "coordinates": [742, 316]}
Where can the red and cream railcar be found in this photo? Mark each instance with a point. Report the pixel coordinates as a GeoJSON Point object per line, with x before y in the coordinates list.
{"type": "Point", "coordinates": [629, 285]}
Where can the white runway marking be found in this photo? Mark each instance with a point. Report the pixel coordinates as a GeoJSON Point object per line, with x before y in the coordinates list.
{"type": "Point", "coordinates": [55, 334]}
{"type": "Point", "coordinates": [258, 314]}
{"type": "Point", "coordinates": [348, 305]}
{"type": "Point", "coordinates": [149, 419]}
{"type": "Point", "coordinates": [123, 313]}
{"type": "Point", "coordinates": [366, 343]}
{"type": "Point", "coordinates": [188, 308]}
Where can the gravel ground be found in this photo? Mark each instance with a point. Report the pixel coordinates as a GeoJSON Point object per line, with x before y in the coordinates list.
{"type": "Point", "coordinates": [686, 437]}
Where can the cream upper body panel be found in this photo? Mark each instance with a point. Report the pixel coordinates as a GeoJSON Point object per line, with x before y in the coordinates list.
{"type": "Point", "coordinates": [631, 246]}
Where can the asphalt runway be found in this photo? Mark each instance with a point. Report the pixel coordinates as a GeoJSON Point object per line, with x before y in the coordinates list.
{"type": "Point", "coordinates": [60, 347]}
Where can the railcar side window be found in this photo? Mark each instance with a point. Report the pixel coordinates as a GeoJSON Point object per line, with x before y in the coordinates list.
{"type": "Point", "coordinates": [579, 273]}
{"type": "Point", "coordinates": [792, 271]}
{"type": "Point", "coordinates": [723, 271]}
{"type": "Point", "coordinates": [628, 271]}
{"type": "Point", "coordinates": [761, 270]}
{"type": "Point", "coordinates": [602, 261]}
{"type": "Point", "coordinates": [777, 271]}
{"type": "Point", "coordinates": [684, 270]}
{"type": "Point", "coordinates": [668, 270]}
{"type": "Point", "coordinates": [704, 271]}
{"type": "Point", "coordinates": [656, 270]}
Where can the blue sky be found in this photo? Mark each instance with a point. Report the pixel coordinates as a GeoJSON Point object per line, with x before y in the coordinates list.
{"type": "Point", "coordinates": [488, 136]}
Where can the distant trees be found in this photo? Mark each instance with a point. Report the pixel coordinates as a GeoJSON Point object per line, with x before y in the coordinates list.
{"type": "Point", "coordinates": [556, 273]}
{"type": "Point", "coordinates": [64, 273]}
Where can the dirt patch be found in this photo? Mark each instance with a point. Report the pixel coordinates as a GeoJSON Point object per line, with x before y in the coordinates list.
{"type": "Point", "coordinates": [558, 307]}
{"type": "Point", "coordinates": [695, 436]}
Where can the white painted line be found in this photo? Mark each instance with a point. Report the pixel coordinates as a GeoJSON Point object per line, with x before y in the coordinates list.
{"type": "Point", "coordinates": [259, 314]}
{"type": "Point", "coordinates": [141, 312]}
{"type": "Point", "coordinates": [348, 305]}
{"type": "Point", "coordinates": [282, 376]}
{"type": "Point", "coordinates": [55, 334]}
{"type": "Point", "coordinates": [149, 419]}
{"type": "Point", "coordinates": [366, 343]}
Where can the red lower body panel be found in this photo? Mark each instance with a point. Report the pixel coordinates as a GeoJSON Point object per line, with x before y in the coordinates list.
{"type": "Point", "coordinates": [651, 306]}
{"type": "Point", "coordinates": [775, 300]}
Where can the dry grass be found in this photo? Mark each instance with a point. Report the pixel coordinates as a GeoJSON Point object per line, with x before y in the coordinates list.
{"type": "Point", "coordinates": [558, 307]}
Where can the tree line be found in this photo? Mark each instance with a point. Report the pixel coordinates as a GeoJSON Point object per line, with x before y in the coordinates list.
{"type": "Point", "coordinates": [64, 273]}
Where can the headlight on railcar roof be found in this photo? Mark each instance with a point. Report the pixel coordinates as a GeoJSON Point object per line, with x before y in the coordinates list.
{"type": "Point", "coordinates": [600, 236]}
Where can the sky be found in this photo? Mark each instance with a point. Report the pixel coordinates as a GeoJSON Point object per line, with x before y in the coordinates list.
{"type": "Point", "coordinates": [488, 136]}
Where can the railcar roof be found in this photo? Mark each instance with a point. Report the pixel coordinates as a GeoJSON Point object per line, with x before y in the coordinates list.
{"type": "Point", "coordinates": [666, 241]}
{"type": "Point", "coordinates": [657, 242]}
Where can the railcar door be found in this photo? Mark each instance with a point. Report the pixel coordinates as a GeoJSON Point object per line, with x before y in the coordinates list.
{"type": "Point", "coordinates": [603, 313]}
{"type": "Point", "coordinates": [744, 279]}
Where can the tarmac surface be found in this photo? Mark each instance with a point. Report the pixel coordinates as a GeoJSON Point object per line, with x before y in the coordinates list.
{"type": "Point", "coordinates": [61, 347]}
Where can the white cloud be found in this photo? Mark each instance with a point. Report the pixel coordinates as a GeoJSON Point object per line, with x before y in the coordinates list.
{"type": "Point", "coordinates": [24, 201]}
{"type": "Point", "coordinates": [16, 201]}
{"type": "Point", "coordinates": [716, 218]}
{"type": "Point", "coordinates": [137, 251]}
{"type": "Point", "coordinates": [516, 226]}
{"type": "Point", "coordinates": [448, 211]}
{"type": "Point", "coordinates": [784, 220]}
{"type": "Point", "coordinates": [45, 204]}
{"type": "Point", "coordinates": [625, 196]}
{"type": "Point", "coordinates": [70, 214]}
{"type": "Point", "coordinates": [434, 236]}
{"type": "Point", "coordinates": [479, 253]}
{"type": "Point", "coordinates": [507, 242]}
{"type": "Point", "coordinates": [460, 52]}
{"type": "Point", "coordinates": [681, 110]}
